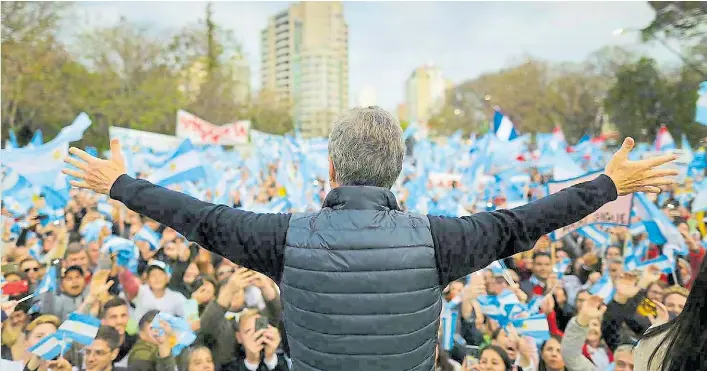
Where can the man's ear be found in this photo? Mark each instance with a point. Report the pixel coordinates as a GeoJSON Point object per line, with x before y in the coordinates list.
{"type": "Point", "coordinates": [332, 174]}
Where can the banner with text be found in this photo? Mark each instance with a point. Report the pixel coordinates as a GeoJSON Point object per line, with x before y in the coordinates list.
{"type": "Point", "coordinates": [617, 212]}
{"type": "Point", "coordinates": [200, 131]}
{"type": "Point", "coordinates": [131, 137]}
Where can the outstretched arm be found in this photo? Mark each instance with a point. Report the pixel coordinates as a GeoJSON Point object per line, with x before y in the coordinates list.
{"type": "Point", "coordinates": [467, 244]}
{"type": "Point", "coordinates": [252, 240]}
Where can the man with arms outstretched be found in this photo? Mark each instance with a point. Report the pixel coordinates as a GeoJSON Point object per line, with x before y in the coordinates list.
{"type": "Point", "coordinates": [361, 280]}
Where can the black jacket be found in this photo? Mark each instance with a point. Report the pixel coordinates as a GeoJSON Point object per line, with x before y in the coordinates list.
{"type": "Point", "coordinates": [460, 245]}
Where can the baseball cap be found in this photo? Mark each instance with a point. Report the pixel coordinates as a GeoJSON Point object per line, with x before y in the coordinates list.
{"type": "Point", "coordinates": [154, 263]}
{"type": "Point", "coordinates": [73, 268]}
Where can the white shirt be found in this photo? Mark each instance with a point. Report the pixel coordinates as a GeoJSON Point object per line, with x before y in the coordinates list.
{"type": "Point", "coordinates": [271, 363]}
{"type": "Point", "coordinates": [171, 302]}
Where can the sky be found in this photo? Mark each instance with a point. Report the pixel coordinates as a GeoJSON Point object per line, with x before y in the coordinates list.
{"type": "Point", "coordinates": [387, 40]}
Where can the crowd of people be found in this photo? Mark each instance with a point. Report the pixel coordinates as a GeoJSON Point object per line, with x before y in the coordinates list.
{"type": "Point", "coordinates": [53, 267]}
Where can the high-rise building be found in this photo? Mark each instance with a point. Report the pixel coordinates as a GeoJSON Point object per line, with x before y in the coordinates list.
{"type": "Point", "coordinates": [305, 61]}
{"type": "Point", "coordinates": [425, 91]}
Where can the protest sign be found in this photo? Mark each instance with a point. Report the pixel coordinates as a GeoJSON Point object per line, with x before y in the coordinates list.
{"type": "Point", "coordinates": [131, 137]}
{"type": "Point", "coordinates": [200, 131]}
{"type": "Point", "coordinates": [617, 212]}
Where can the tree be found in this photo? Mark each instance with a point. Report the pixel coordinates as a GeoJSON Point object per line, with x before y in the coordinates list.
{"type": "Point", "coordinates": [32, 60]}
{"type": "Point", "coordinates": [270, 114]}
{"type": "Point", "coordinates": [677, 19]}
{"type": "Point", "coordinates": [638, 101]}
{"type": "Point", "coordinates": [134, 86]}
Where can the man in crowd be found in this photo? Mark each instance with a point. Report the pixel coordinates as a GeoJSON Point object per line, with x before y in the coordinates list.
{"type": "Point", "coordinates": [260, 345]}
{"type": "Point", "coordinates": [103, 352]}
{"type": "Point", "coordinates": [155, 294]}
{"type": "Point", "coordinates": [73, 293]}
{"type": "Point", "coordinates": [344, 271]}
{"type": "Point", "coordinates": [115, 314]}
{"type": "Point", "coordinates": [152, 352]}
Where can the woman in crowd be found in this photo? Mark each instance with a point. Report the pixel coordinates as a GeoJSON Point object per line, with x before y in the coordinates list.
{"type": "Point", "coordinates": [493, 358]}
{"type": "Point", "coordinates": [550, 356]}
{"type": "Point", "coordinates": [679, 344]}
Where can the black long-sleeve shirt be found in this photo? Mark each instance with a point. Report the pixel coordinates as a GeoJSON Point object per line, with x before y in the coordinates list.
{"type": "Point", "coordinates": [462, 245]}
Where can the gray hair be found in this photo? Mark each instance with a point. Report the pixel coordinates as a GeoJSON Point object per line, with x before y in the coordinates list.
{"type": "Point", "coordinates": [366, 148]}
{"type": "Point", "coordinates": [624, 348]}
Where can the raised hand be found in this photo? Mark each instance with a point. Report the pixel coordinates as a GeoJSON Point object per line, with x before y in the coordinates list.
{"type": "Point", "coordinates": [661, 315]}
{"type": "Point", "coordinates": [592, 308]}
{"type": "Point", "coordinates": [639, 176]}
{"type": "Point", "coordinates": [96, 174]}
{"type": "Point", "coordinates": [271, 340]}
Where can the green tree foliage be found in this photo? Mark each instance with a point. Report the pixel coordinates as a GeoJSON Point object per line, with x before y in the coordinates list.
{"type": "Point", "coordinates": [121, 75]}
{"type": "Point", "coordinates": [677, 19]}
{"type": "Point", "coordinates": [643, 98]}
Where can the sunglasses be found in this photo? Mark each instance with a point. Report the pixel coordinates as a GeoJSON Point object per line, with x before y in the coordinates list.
{"type": "Point", "coordinates": [35, 269]}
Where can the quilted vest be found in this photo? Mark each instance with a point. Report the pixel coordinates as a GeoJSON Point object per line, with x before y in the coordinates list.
{"type": "Point", "coordinates": [360, 287]}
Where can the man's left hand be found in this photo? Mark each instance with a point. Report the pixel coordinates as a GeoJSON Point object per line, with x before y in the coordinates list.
{"type": "Point", "coordinates": [96, 174]}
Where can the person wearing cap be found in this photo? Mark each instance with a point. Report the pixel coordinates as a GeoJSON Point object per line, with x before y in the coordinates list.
{"type": "Point", "coordinates": [361, 280]}
{"type": "Point", "coordinates": [154, 294]}
{"type": "Point", "coordinates": [74, 291]}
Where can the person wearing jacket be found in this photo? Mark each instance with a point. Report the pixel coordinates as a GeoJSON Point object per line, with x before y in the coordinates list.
{"type": "Point", "coordinates": [74, 292]}
{"type": "Point", "coordinates": [360, 279]}
{"type": "Point", "coordinates": [231, 297]}
{"type": "Point", "coordinates": [152, 352]}
{"type": "Point", "coordinates": [260, 346]}
{"type": "Point", "coordinates": [574, 346]}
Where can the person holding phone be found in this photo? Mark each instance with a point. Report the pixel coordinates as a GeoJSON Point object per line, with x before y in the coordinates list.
{"type": "Point", "coordinates": [260, 342]}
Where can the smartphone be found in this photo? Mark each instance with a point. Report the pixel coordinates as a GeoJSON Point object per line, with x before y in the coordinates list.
{"type": "Point", "coordinates": [470, 361]}
{"type": "Point", "coordinates": [261, 323]}
{"type": "Point", "coordinates": [647, 308]}
{"type": "Point", "coordinates": [191, 310]}
{"type": "Point", "coordinates": [473, 351]}
{"type": "Point", "coordinates": [105, 262]}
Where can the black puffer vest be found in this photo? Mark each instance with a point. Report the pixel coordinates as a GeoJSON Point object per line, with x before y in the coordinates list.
{"type": "Point", "coordinates": [360, 288]}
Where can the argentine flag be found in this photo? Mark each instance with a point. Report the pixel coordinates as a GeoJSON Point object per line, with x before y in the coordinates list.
{"type": "Point", "coordinates": [535, 326]}
{"type": "Point", "coordinates": [185, 167]}
{"type": "Point", "coordinates": [50, 347]}
{"type": "Point", "coordinates": [503, 127]}
{"type": "Point", "coordinates": [148, 235]}
{"type": "Point", "coordinates": [449, 325]}
{"type": "Point", "coordinates": [604, 288]}
{"type": "Point", "coordinates": [81, 328]}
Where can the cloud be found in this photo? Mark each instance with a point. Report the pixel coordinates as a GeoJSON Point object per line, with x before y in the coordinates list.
{"type": "Point", "coordinates": [387, 40]}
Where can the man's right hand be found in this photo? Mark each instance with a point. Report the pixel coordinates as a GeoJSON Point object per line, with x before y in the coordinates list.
{"type": "Point", "coordinates": [639, 176]}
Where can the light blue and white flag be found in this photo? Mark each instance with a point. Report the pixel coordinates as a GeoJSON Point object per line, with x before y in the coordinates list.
{"type": "Point", "coordinates": [50, 347]}
{"type": "Point", "coordinates": [81, 328]}
{"type": "Point", "coordinates": [662, 262]}
{"type": "Point", "coordinates": [604, 288]}
{"type": "Point", "coordinates": [180, 327]}
{"type": "Point", "coordinates": [503, 127]}
{"type": "Point", "coordinates": [449, 325]}
{"type": "Point", "coordinates": [535, 326]}
{"type": "Point", "coordinates": [148, 235]}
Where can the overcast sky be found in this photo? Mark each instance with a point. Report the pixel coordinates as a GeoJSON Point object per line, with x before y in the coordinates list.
{"type": "Point", "coordinates": [387, 40]}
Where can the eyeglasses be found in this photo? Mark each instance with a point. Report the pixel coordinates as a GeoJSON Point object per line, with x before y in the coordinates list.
{"type": "Point", "coordinates": [97, 352]}
{"type": "Point", "coordinates": [35, 269]}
